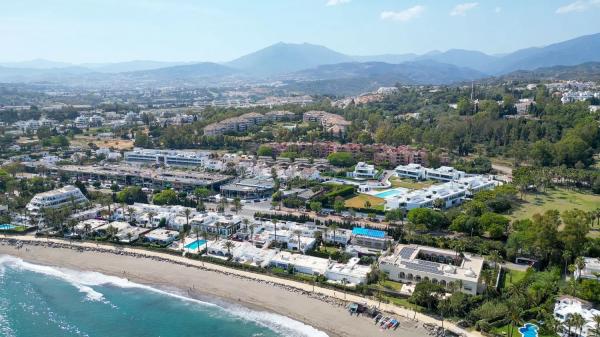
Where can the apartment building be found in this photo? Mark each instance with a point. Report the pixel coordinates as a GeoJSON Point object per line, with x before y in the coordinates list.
{"type": "Point", "coordinates": [64, 196]}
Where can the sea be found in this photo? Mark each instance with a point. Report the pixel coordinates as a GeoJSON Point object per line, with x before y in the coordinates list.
{"type": "Point", "coordinates": [46, 301]}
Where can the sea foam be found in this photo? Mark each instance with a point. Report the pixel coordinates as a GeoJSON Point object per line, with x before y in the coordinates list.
{"type": "Point", "coordinates": [85, 280]}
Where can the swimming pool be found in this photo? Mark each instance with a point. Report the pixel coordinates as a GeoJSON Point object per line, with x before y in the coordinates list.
{"type": "Point", "coordinates": [194, 245]}
{"type": "Point", "coordinates": [529, 330]}
{"type": "Point", "coordinates": [389, 193]}
{"type": "Point", "coordinates": [6, 226]}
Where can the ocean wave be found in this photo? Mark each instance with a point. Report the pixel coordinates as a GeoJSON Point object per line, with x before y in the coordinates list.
{"type": "Point", "coordinates": [85, 280]}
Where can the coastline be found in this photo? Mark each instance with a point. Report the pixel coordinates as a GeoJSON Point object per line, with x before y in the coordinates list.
{"type": "Point", "coordinates": [319, 311]}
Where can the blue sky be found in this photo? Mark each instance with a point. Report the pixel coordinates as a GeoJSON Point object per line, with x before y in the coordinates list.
{"type": "Point", "coordinates": [220, 30]}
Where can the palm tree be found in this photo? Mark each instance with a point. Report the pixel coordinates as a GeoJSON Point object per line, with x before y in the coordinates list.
{"type": "Point", "coordinates": [187, 213]}
{"type": "Point", "coordinates": [567, 258]}
{"type": "Point", "coordinates": [580, 264]}
{"type": "Point", "coordinates": [333, 228]}
{"type": "Point", "coordinates": [197, 232]}
{"type": "Point", "coordinates": [578, 321]}
{"type": "Point", "coordinates": [596, 319]}
{"type": "Point", "coordinates": [218, 226]}
{"type": "Point", "coordinates": [151, 215]}
{"type": "Point", "coordinates": [229, 245]}
{"type": "Point", "coordinates": [514, 316]}
{"type": "Point", "coordinates": [275, 228]}
{"type": "Point", "coordinates": [87, 228]}
{"type": "Point", "coordinates": [251, 227]}
{"type": "Point", "coordinates": [130, 211]}
{"type": "Point", "coordinates": [298, 233]}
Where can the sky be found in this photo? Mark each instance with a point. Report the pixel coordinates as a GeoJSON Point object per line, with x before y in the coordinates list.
{"type": "Point", "coordinates": [81, 31]}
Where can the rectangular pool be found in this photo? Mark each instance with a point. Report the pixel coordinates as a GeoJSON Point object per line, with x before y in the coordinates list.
{"type": "Point", "coordinates": [194, 245]}
{"type": "Point", "coordinates": [6, 226]}
{"type": "Point", "coordinates": [389, 193]}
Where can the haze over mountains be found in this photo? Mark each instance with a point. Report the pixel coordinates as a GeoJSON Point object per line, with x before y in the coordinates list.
{"type": "Point", "coordinates": [308, 62]}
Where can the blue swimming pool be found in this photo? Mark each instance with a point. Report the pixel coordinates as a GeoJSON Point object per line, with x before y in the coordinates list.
{"type": "Point", "coordinates": [529, 330]}
{"type": "Point", "coordinates": [388, 193]}
{"type": "Point", "coordinates": [194, 245]}
{"type": "Point", "coordinates": [6, 226]}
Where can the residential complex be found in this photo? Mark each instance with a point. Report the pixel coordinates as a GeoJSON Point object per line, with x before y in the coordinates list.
{"type": "Point", "coordinates": [64, 196]}
{"type": "Point", "coordinates": [246, 122]}
{"type": "Point", "coordinates": [167, 157]}
{"type": "Point", "coordinates": [255, 188]}
{"type": "Point", "coordinates": [332, 123]}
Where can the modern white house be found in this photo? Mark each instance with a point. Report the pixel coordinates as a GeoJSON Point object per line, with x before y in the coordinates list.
{"type": "Point", "coordinates": [566, 306]}
{"type": "Point", "coordinates": [64, 196]}
{"type": "Point", "coordinates": [444, 173]}
{"type": "Point", "coordinates": [412, 171]}
{"type": "Point", "coordinates": [413, 264]}
{"type": "Point", "coordinates": [363, 170]}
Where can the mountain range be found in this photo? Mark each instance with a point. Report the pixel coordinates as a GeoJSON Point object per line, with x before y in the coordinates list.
{"type": "Point", "coordinates": [309, 62]}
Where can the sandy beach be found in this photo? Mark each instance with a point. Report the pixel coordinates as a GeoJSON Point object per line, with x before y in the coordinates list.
{"type": "Point", "coordinates": [203, 284]}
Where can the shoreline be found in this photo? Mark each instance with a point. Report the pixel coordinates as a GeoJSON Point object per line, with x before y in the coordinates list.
{"type": "Point", "coordinates": [322, 312]}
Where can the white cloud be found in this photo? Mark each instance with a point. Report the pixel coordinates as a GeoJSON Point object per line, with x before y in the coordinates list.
{"type": "Point", "coordinates": [577, 6]}
{"type": "Point", "coordinates": [461, 9]}
{"type": "Point", "coordinates": [336, 2]}
{"type": "Point", "coordinates": [403, 16]}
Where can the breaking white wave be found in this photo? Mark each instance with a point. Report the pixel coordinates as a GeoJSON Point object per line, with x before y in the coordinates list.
{"type": "Point", "coordinates": [84, 281]}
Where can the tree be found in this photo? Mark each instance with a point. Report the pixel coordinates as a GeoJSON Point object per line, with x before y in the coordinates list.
{"type": "Point", "coordinates": [316, 206]}
{"type": "Point", "coordinates": [298, 233]}
{"type": "Point", "coordinates": [333, 227]}
{"type": "Point", "coordinates": [427, 294]}
{"type": "Point", "coordinates": [265, 151]}
{"type": "Point", "coordinates": [229, 245]}
{"type": "Point", "coordinates": [165, 197]}
{"type": "Point", "coordinates": [577, 321]}
{"type": "Point", "coordinates": [201, 192]}
{"type": "Point", "coordinates": [341, 159]}
{"type": "Point", "coordinates": [367, 204]}
{"type": "Point", "coordinates": [251, 227]}
{"type": "Point", "coordinates": [429, 218]}
{"type": "Point", "coordinates": [237, 204]}
{"type": "Point", "coordinates": [131, 195]}
{"type": "Point", "coordinates": [187, 212]}
{"type": "Point", "coordinates": [339, 205]}
{"type": "Point", "coordinates": [576, 227]}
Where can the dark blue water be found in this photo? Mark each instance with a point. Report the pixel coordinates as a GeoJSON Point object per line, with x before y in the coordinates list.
{"type": "Point", "coordinates": [45, 301]}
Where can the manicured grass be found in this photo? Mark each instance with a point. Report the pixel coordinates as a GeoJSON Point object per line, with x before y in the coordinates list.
{"type": "Point", "coordinates": [359, 202]}
{"type": "Point", "coordinates": [403, 302]}
{"type": "Point", "coordinates": [328, 249]}
{"type": "Point", "coordinates": [512, 276]}
{"type": "Point", "coordinates": [558, 199]}
{"type": "Point", "coordinates": [397, 286]}
{"type": "Point", "coordinates": [410, 183]}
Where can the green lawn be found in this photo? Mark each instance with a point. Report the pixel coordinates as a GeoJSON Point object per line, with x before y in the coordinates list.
{"type": "Point", "coordinates": [558, 199]}
{"type": "Point", "coordinates": [359, 202]}
{"type": "Point", "coordinates": [410, 183]}
{"type": "Point", "coordinates": [403, 302]}
{"type": "Point", "coordinates": [513, 276]}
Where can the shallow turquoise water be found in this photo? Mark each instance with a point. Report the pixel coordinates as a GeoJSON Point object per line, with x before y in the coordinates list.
{"type": "Point", "coordinates": [388, 193]}
{"type": "Point", "coordinates": [46, 301]}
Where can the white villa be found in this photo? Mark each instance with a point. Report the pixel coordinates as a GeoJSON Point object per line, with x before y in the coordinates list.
{"type": "Point", "coordinates": [413, 264]}
{"type": "Point", "coordinates": [566, 306]}
{"type": "Point", "coordinates": [363, 170]}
